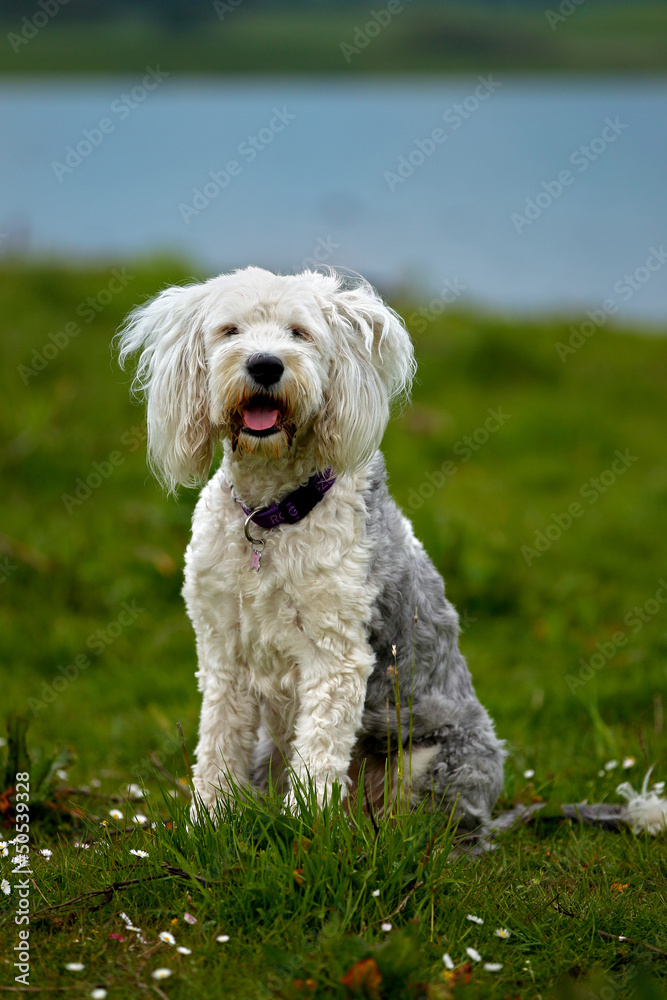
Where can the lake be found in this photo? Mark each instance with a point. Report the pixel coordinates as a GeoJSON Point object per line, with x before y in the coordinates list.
{"type": "Point", "coordinates": [517, 194]}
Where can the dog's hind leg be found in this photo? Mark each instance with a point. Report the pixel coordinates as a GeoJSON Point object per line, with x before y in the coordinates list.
{"type": "Point", "coordinates": [457, 760]}
{"type": "Point", "coordinates": [466, 777]}
{"type": "Point", "coordinates": [380, 774]}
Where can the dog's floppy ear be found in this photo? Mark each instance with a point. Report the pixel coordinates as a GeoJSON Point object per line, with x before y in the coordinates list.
{"type": "Point", "coordinates": [172, 376]}
{"type": "Point", "coordinates": [373, 364]}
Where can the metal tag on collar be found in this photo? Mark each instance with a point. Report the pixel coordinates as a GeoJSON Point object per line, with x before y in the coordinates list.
{"type": "Point", "coordinates": [256, 544]}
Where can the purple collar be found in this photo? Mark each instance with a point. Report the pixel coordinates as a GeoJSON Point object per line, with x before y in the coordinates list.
{"type": "Point", "coordinates": [294, 506]}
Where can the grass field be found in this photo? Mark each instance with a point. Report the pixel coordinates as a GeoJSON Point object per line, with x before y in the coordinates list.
{"type": "Point", "coordinates": [617, 37]}
{"type": "Point", "coordinates": [564, 629]}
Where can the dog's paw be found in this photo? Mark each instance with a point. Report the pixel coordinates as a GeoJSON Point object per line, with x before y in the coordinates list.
{"type": "Point", "coordinates": [291, 804]}
{"type": "Point", "coordinates": [325, 786]}
{"type": "Point", "coordinates": [211, 800]}
{"type": "Point", "coordinates": [200, 807]}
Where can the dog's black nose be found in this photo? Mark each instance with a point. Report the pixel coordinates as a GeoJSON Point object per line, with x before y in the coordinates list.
{"type": "Point", "coordinates": [265, 369]}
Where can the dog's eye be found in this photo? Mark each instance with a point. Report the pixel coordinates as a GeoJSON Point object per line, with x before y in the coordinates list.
{"type": "Point", "coordinates": [229, 331]}
{"type": "Point", "coordinates": [300, 333]}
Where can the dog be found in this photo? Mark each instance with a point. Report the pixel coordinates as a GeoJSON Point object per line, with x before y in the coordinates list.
{"type": "Point", "coordinates": [311, 599]}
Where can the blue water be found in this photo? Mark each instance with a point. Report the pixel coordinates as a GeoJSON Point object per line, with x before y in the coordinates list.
{"type": "Point", "coordinates": [317, 180]}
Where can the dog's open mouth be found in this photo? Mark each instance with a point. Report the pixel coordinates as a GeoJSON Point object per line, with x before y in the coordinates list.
{"type": "Point", "coordinates": [261, 416]}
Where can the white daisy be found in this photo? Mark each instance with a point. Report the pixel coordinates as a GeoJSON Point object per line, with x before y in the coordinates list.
{"type": "Point", "coordinates": [529, 773]}
{"type": "Point", "coordinates": [473, 919]}
{"type": "Point", "coordinates": [167, 937]}
{"type": "Point", "coordinates": [115, 814]}
{"type": "Point", "coordinates": [46, 852]}
{"type": "Point", "coordinates": [75, 967]}
{"type": "Point", "coordinates": [375, 892]}
{"type": "Point", "coordinates": [140, 818]}
{"type": "Point", "coordinates": [4, 851]}
{"type": "Point", "coordinates": [222, 938]}
{"type": "Point", "coordinates": [189, 919]}
{"type": "Point", "coordinates": [610, 765]}
{"type": "Point", "coordinates": [161, 973]}
{"type": "Point", "coordinates": [62, 773]}
{"type": "Point", "coordinates": [183, 951]}
{"type": "Point", "coordinates": [628, 762]}
{"type": "Point", "coordinates": [386, 927]}
{"type": "Point", "coordinates": [98, 994]}
{"type": "Point", "coordinates": [492, 966]}
{"type": "Point", "coordinates": [136, 791]}
{"type": "Point", "coordinates": [128, 923]}
{"type": "Point", "coordinates": [448, 961]}
{"type": "Point", "coordinates": [502, 932]}
{"type": "Point", "coordinates": [473, 954]}
{"type": "Point", "coordinates": [5, 886]}
{"type": "Point", "coordinates": [139, 854]}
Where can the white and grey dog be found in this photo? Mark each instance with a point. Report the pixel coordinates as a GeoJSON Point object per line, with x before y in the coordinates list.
{"type": "Point", "coordinates": [302, 574]}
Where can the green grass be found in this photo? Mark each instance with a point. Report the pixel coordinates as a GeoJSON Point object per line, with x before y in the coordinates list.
{"type": "Point", "coordinates": [65, 579]}
{"type": "Point", "coordinates": [424, 38]}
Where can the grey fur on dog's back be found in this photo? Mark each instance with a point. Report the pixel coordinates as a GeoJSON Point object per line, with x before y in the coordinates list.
{"type": "Point", "coordinates": [445, 710]}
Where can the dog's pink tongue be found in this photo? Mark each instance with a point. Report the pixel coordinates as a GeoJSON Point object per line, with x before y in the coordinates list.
{"type": "Point", "coordinates": [260, 418]}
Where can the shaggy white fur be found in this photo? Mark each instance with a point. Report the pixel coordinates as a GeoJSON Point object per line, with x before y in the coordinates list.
{"type": "Point", "coordinates": [289, 639]}
{"type": "Point", "coordinates": [296, 375]}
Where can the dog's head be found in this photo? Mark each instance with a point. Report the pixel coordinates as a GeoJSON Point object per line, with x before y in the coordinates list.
{"type": "Point", "coordinates": [270, 364]}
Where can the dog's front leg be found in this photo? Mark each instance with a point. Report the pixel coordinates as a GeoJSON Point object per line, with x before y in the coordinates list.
{"type": "Point", "coordinates": [332, 691]}
{"type": "Point", "coordinates": [227, 735]}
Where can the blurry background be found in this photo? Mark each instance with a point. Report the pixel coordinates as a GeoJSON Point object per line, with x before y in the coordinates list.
{"type": "Point", "coordinates": [497, 169]}
{"type": "Point", "coordinates": [352, 175]}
